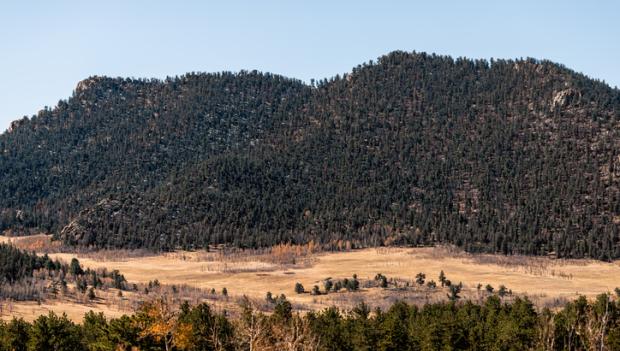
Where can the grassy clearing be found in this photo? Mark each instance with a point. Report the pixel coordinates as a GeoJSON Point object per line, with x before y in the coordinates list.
{"type": "Point", "coordinates": [540, 278]}
{"type": "Point", "coordinates": [546, 281]}
{"type": "Point", "coordinates": [553, 278]}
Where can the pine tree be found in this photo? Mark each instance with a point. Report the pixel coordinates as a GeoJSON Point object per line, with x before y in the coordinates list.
{"type": "Point", "coordinates": [442, 278]}
{"type": "Point", "coordinates": [455, 290]}
{"type": "Point", "coordinates": [75, 268]}
{"type": "Point", "coordinates": [91, 294]}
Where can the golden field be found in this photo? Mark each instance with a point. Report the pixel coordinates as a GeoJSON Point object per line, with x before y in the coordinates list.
{"type": "Point", "coordinates": [557, 278]}
{"type": "Point", "coordinates": [542, 279]}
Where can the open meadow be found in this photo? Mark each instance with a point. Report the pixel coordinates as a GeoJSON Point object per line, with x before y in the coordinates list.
{"type": "Point", "coordinates": [546, 281]}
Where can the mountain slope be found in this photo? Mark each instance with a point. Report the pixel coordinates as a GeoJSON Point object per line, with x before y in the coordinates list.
{"type": "Point", "coordinates": [118, 135]}
{"type": "Point", "coordinates": [504, 156]}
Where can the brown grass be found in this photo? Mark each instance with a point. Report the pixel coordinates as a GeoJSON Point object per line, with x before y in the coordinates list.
{"type": "Point", "coordinates": [548, 282]}
{"type": "Point", "coordinates": [548, 277]}
{"type": "Point", "coordinates": [38, 242]}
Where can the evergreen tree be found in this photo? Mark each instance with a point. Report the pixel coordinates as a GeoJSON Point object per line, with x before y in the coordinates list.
{"type": "Point", "coordinates": [91, 294]}
{"type": "Point", "coordinates": [442, 278]}
{"type": "Point", "coordinates": [75, 268]}
{"type": "Point", "coordinates": [52, 332]}
{"type": "Point", "coordinates": [455, 290]}
{"type": "Point", "coordinates": [489, 288]}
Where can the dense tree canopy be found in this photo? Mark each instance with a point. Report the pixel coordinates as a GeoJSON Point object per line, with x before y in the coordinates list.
{"type": "Point", "coordinates": [492, 325]}
{"type": "Point", "coordinates": [16, 264]}
{"type": "Point", "coordinates": [28, 276]}
{"type": "Point", "coordinates": [509, 156]}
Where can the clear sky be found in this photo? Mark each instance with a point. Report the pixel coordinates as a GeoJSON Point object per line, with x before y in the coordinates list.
{"type": "Point", "coordinates": [46, 47]}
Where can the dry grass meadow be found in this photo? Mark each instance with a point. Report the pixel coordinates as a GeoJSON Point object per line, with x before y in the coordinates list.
{"type": "Point", "coordinates": [544, 280]}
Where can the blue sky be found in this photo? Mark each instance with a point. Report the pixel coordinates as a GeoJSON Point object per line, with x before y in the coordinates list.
{"type": "Point", "coordinates": [46, 47]}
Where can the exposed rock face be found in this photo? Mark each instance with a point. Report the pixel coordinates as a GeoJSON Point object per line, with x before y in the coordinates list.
{"type": "Point", "coordinates": [20, 215]}
{"type": "Point", "coordinates": [77, 231]}
{"type": "Point", "coordinates": [85, 84]}
{"type": "Point", "coordinates": [73, 232]}
{"type": "Point", "coordinates": [565, 98]}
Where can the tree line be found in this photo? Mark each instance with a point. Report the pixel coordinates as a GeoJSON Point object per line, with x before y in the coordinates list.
{"type": "Point", "coordinates": [28, 276]}
{"type": "Point", "coordinates": [492, 325]}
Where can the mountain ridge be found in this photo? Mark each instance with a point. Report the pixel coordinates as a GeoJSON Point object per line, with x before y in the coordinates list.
{"type": "Point", "coordinates": [413, 149]}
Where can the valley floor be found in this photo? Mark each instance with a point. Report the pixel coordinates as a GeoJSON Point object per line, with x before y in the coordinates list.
{"type": "Point", "coordinates": [546, 281]}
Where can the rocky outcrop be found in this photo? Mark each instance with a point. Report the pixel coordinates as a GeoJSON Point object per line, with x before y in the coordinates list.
{"type": "Point", "coordinates": [564, 98]}
{"type": "Point", "coordinates": [85, 84]}
{"type": "Point", "coordinates": [78, 230]}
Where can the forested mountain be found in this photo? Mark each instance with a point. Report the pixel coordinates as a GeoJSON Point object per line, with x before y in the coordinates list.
{"type": "Point", "coordinates": [510, 156]}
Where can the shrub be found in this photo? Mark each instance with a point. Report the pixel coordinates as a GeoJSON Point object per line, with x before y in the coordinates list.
{"type": "Point", "coordinates": [328, 285]}
{"type": "Point", "coordinates": [419, 278]}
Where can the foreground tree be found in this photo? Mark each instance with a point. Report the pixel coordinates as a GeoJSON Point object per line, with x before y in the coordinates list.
{"type": "Point", "coordinates": [252, 328]}
{"type": "Point", "coordinates": [53, 332]}
{"type": "Point", "coordinates": [160, 321]}
{"type": "Point", "coordinates": [491, 325]}
{"type": "Point", "coordinates": [16, 335]}
{"type": "Point", "coordinates": [96, 332]}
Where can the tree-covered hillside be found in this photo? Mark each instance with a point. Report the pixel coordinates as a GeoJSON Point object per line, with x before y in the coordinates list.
{"type": "Point", "coordinates": [503, 156]}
